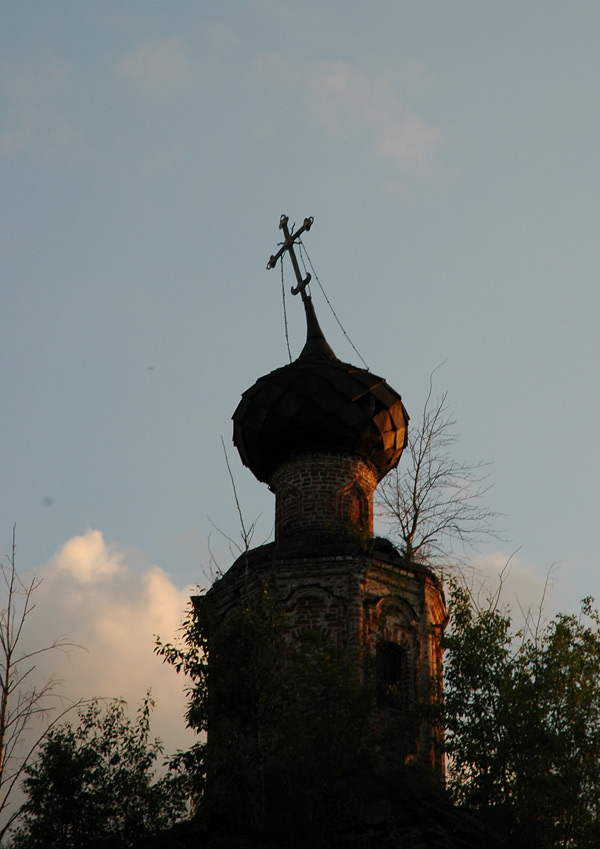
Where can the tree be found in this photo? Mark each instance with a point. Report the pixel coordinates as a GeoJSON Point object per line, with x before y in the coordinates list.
{"type": "Point", "coordinates": [93, 785]}
{"type": "Point", "coordinates": [522, 717]}
{"type": "Point", "coordinates": [432, 501]}
{"type": "Point", "coordinates": [21, 700]}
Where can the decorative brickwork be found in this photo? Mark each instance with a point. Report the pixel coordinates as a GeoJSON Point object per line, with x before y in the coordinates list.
{"type": "Point", "coordinates": [357, 600]}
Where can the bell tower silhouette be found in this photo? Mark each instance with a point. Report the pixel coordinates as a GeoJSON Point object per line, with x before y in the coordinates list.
{"type": "Point", "coordinates": [321, 434]}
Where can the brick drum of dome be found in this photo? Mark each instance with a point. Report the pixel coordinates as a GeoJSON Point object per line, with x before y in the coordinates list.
{"type": "Point", "coordinates": [324, 492]}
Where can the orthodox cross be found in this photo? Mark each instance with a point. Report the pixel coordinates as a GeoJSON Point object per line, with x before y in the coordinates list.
{"type": "Point", "coordinates": [288, 245]}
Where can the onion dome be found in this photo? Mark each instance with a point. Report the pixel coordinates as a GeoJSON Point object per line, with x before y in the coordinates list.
{"type": "Point", "coordinates": [319, 404]}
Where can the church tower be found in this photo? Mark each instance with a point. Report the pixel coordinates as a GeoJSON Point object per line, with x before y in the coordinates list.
{"type": "Point", "coordinates": [321, 434]}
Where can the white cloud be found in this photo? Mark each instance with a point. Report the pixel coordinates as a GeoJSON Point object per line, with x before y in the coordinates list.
{"type": "Point", "coordinates": [341, 97]}
{"type": "Point", "coordinates": [220, 39]}
{"type": "Point", "coordinates": [159, 68]}
{"type": "Point", "coordinates": [521, 586]}
{"type": "Point", "coordinates": [87, 558]}
{"type": "Point", "coordinates": [101, 599]}
{"type": "Point", "coordinates": [34, 111]}
{"type": "Point", "coordinates": [410, 143]}
{"type": "Point", "coordinates": [352, 106]}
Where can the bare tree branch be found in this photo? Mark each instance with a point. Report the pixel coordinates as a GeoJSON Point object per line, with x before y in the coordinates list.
{"type": "Point", "coordinates": [247, 531]}
{"type": "Point", "coordinates": [21, 702]}
{"type": "Point", "coordinates": [435, 503]}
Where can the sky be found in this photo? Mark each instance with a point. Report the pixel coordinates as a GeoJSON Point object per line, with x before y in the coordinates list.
{"type": "Point", "coordinates": [449, 153]}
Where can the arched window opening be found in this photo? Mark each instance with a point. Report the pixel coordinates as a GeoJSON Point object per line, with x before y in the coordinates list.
{"type": "Point", "coordinates": [391, 671]}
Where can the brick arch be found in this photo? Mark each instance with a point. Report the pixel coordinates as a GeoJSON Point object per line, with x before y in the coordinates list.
{"type": "Point", "coordinates": [395, 623]}
{"type": "Point", "coordinates": [393, 615]}
{"type": "Point", "coordinates": [314, 607]}
{"type": "Point", "coordinates": [352, 504]}
{"type": "Point", "coordinates": [232, 607]}
{"type": "Point", "coordinates": [289, 507]}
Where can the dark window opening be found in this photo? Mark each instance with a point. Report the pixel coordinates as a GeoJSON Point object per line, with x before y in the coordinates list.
{"type": "Point", "coordinates": [391, 668]}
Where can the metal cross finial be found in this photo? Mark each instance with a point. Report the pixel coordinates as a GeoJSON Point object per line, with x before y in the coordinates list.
{"type": "Point", "coordinates": [288, 245]}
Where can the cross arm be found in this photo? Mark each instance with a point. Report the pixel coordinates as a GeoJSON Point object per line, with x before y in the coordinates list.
{"type": "Point", "coordinates": [288, 245]}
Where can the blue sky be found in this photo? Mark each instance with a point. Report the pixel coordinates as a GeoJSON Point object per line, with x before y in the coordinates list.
{"type": "Point", "coordinates": [449, 153]}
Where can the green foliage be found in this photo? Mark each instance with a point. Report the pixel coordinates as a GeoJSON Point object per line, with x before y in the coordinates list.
{"type": "Point", "coordinates": [93, 784]}
{"type": "Point", "coordinates": [293, 747]}
{"type": "Point", "coordinates": [522, 716]}
{"type": "Point", "coordinates": [355, 535]}
{"type": "Point", "coordinates": [234, 690]}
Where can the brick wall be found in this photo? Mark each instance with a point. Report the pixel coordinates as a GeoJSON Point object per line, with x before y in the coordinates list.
{"type": "Point", "coordinates": [356, 601]}
{"type": "Point", "coordinates": [324, 492]}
